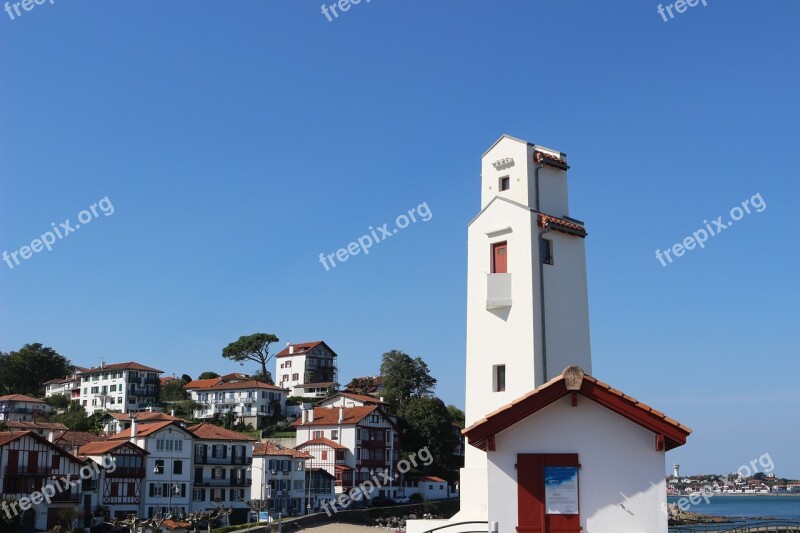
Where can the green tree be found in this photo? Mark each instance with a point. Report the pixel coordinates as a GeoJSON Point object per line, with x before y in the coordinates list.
{"type": "Point", "coordinates": [254, 348]}
{"type": "Point", "coordinates": [360, 385]}
{"type": "Point", "coordinates": [429, 424]}
{"type": "Point", "coordinates": [173, 391]}
{"type": "Point", "coordinates": [258, 376]}
{"type": "Point", "coordinates": [457, 415]}
{"type": "Point", "coordinates": [24, 371]}
{"type": "Point", "coordinates": [186, 378]}
{"type": "Point", "coordinates": [404, 379]}
{"type": "Point", "coordinates": [58, 401]}
{"type": "Point", "coordinates": [208, 375]}
{"type": "Point", "coordinates": [75, 418]}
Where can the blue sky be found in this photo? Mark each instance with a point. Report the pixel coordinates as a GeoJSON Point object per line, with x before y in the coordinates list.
{"type": "Point", "coordinates": [238, 141]}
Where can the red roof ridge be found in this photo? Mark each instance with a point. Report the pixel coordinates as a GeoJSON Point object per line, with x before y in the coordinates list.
{"type": "Point", "coordinates": [324, 441]}
{"type": "Point", "coordinates": [573, 379]}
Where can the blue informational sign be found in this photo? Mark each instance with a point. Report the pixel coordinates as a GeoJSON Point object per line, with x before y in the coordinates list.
{"type": "Point", "coordinates": [263, 516]}
{"type": "Point", "coordinates": [561, 489]}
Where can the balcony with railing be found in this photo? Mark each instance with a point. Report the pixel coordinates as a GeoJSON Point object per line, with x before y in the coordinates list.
{"type": "Point", "coordinates": [202, 459]}
{"type": "Point", "coordinates": [498, 291]}
{"type": "Point", "coordinates": [66, 497]}
{"type": "Point", "coordinates": [34, 470]}
{"type": "Point", "coordinates": [126, 471]}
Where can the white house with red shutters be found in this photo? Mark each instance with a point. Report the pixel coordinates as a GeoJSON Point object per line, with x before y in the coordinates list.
{"type": "Point", "coordinates": [550, 448]}
{"type": "Point", "coordinates": [351, 443]}
{"type": "Point", "coordinates": [308, 369]}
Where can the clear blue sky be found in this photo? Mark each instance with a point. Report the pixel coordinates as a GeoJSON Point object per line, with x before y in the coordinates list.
{"type": "Point", "coordinates": [239, 140]}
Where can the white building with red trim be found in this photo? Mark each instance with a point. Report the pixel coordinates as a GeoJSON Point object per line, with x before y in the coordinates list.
{"type": "Point", "coordinates": [308, 369]}
{"type": "Point", "coordinates": [351, 443]}
{"type": "Point", "coordinates": [22, 408]}
{"type": "Point", "coordinates": [251, 401]}
{"type": "Point", "coordinates": [548, 449]}
{"type": "Point", "coordinates": [125, 387]}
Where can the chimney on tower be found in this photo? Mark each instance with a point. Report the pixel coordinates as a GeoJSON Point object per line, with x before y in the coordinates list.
{"type": "Point", "coordinates": [291, 347]}
{"type": "Point", "coordinates": [303, 414]}
{"type": "Point", "coordinates": [341, 414]}
{"type": "Point", "coordinates": [311, 414]}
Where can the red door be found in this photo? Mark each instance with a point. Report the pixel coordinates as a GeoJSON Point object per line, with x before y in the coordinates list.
{"type": "Point", "coordinates": [13, 461]}
{"type": "Point", "coordinates": [531, 498]}
{"type": "Point", "coordinates": [500, 258]}
{"type": "Point", "coordinates": [33, 462]}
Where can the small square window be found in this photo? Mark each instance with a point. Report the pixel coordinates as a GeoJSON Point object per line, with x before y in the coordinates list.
{"type": "Point", "coordinates": [499, 378]}
{"type": "Point", "coordinates": [505, 183]}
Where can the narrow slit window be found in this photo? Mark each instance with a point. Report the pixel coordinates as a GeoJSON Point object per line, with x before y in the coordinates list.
{"type": "Point", "coordinates": [547, 251]}
{"type": "Point", "coordinates": [505, 183]}
{"type": "Point", "coordinates": [499, 384]}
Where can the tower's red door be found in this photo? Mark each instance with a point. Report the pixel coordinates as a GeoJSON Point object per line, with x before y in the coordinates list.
{"type": "Point", "coordinates": [500, 258]}
{"type": "Point", "coordinates": [532, 499]}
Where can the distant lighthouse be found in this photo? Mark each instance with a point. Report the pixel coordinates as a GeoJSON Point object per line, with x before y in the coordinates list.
{"type": "Point", "coordinates": [676, 471]}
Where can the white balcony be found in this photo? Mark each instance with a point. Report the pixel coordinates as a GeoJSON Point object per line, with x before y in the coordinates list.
{"type": "Point", "coordinates": [498, 291]}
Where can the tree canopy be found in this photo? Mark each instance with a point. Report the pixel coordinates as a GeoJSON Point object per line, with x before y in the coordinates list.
{"type": "Point", "coordinates": [26, 370]}
{"type": "Point", "coordinates": [254, 348]}
{"type": "Point", "coordinates": [208, 375]}
{"type": "Point", "coordinates": [428, 423]}
{"type": "Point", "coordinates": [457, 415]}
{"type": "Point", "coordinates": [405, 378]}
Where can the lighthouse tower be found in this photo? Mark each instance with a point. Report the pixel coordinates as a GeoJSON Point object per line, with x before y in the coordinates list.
{"type": "Point", "coordinates": [527, 302]}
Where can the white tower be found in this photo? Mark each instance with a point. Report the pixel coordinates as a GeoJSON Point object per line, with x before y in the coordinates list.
{"type": "Point", "coordinates": [676, 471]}
{"type": "Point", "coordinates": [527, 302]}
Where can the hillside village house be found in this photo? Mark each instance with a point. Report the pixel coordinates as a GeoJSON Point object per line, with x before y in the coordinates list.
{"type": "Point", "coordinates": [349, 443]}
{"type": "Point", "coordinates": [120, 488]}
{"type": "Point", "coordinates": [307, 369]}
{"type": "Point", "coordinates": [23, 408]}
{"type": "Point", "coordinates": [29, 462]}
{"type": "Point", "coordinates": [222, 460]}
{"type": "Point", "coordinates": [125, 387]}
{"type": "Point", "coordinates": [168, 466]}
{"type": "Point", "coordinates": [113, 422]}
{"type": "Point", "coordinates": [550, 448]}
{"type": "Point", "coordinates": [69, 386]}
{"type": "Point", "coordinates": [372, 385]}
{"type": "Point", "coordinates": [251, 401]}
{"type": "Point", "coordinates": [279, 479]}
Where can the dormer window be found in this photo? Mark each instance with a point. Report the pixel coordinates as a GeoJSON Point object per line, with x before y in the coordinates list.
{"type": "Point", "coordinates": [505, 183]}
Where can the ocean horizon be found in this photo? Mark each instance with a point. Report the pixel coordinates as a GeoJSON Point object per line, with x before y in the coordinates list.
{"type": "Point", "coordinates": [747, 505]}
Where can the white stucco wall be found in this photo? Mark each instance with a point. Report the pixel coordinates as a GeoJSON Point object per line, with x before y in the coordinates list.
{"type": "Point", "coordinates": [619, 466]}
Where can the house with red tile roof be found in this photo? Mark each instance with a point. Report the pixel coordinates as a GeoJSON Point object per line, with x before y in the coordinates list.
{"type": "Point", "coordinates": [351, 443]}
{"type": "Point", "coordinates": [280, 479]}
{"type": "Point", "coordinates": [222, 469]}
{"type": "Point", "coordinates": [308, 369]}
{"type": "Point", "coordinates": [113, 422]}
{"type": "Point", "coordinates": [123, 477]}
{"type": "Point", "coordinates": [252, 402]}
{"type": "Point", "coordinates": [125, 387]}
{"type": "Point", "coordinates": [23, 408]}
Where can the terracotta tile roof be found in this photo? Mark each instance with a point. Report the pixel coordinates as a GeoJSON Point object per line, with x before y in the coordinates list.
{"type": "Point", "coordinates": [201, 383]}
{"type": "Point", "coordinates": [270, 448]}
{"type": "Point", "coordinates": [144, 430]}
{"type": "Point", "coordinates": [108, 446]}
{"type": "Point", "coordinates": [211, 432]}
{"type": "Point", "coordinates": [358, 397]}
{"type": "Point", "coordinates": [324, 416]}
{"type": "Point", "coordinates": [234, 375]}
{"type": "Point", "coordinates": [6, 438]}
{"type": "Point", "coordinates": [18, 425]}
{"type": "Point", "coordinates": [562, 225]}
{"type": "Point", "coordinates": [60, 380]}
{"type": "Point", "coordinates": [145, 417]}
{"type": "Point", "coordinates": [176, 524]}
{"type": "Point", "coordinates": [77, 438]}
{"type": "Point", "coordinates": [325, 442]}
{"type": "Point", "coordinates": [120, 366]}
{"type": "Point", "coordinates": [573, 379]}
{"type": "Point", "coordinates": [433, 479]}
{"type": "Point", "coordinates": [237, 385]}
{"type": "Point", "coordinates": [299, 348]}
{"type": "Point", "coordinates": [550, 158]}
{"type": "Point", "coordinates": [19, 398]}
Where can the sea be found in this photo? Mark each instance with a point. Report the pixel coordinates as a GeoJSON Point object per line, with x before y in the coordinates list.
{"type": "Point", "coordinates": [780, 507]}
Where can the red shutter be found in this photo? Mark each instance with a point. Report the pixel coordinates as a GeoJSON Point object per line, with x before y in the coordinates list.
{"type": "Point", "coordinates": [531, 495]}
